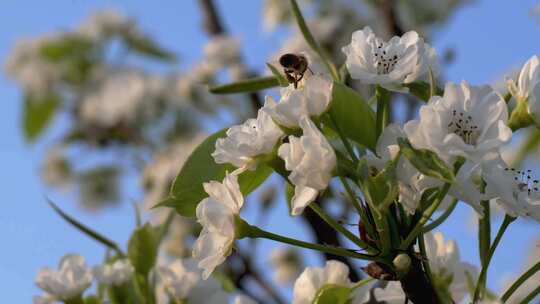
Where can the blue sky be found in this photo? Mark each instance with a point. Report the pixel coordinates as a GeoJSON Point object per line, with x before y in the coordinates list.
{"type": "Point", "coordinates": [489, 36]}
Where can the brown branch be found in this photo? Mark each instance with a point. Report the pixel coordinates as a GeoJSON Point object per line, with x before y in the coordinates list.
{"type": "Point", "coordinates": [214, 27]}
{"type": "Point", "coordinates": [388, 11]}
{"type": "Point", "coordinates": [416, 284]}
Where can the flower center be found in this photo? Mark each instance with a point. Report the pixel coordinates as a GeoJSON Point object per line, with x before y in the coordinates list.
{"type": "Point", "coordinates": [384, 62]}
{"type": "Point", "coordinates": [523, 180]}
{"type": "Point", "coordinates": [463, 126]}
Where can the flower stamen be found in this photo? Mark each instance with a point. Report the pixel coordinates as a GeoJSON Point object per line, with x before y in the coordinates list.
{"type": "Point", "coordinates": [463, 126]}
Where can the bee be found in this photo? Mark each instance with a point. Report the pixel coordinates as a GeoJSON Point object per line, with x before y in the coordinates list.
{"type": "Point", "coordinates": [294, 67]}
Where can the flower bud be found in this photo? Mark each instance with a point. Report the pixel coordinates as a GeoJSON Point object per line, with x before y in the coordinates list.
{"type": "Point", "coordinates": [402, 262]}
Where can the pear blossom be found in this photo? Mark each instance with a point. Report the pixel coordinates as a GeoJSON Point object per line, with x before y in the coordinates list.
{"type": "Point", "coordinates": [71, 279]}
{"type": "Point", "coordinates": [313, 279]}
{"type": "Point", "coordinates": [287, 264]}
{"type": "Point", "coordinates": [411, 182]}
{"type": "Point", "coordinates": [392, 293]}
{"type": "Point", "coordinates": [222, 51]}
{"type": "Point", "coordinates": [179, 279]}
{"type": "Point", "coordinates": [310, 99]}
{"type": "Point", "coordinates": [516, 191]}
{"type": "Point", "coordinates": [445, 264]}
{"type": "Point", "coordinates": [216, 214]}
{"type": "Point", "coordinates": [527, 88]}
{"type": "Point", "coordinates": [468, 121]}
{"type": "Point", "coordinates": [43, 299]}
{"type": "Point", "coordinates": [105, 23]}
{"type": "Point", "coordinates": [115, 274]}
{"type": "Point", "coordinates": [311, 159]}
{"type": "Point", "coordinates": [130, 90]}
{"type": "Point", "coordinates": [246, 141]}
{"type": "Point", "coordinates": [401, 60]}
{"type": "Point", "coordinates": [528, 78]}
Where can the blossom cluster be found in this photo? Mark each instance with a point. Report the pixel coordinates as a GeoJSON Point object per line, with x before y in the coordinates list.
{"type": "Point", "coordinates": [451, 152]}
{"type": "Point", "coordinates": [466, 123]}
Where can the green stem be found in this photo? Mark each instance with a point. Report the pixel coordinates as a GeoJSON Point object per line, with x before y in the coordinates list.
{"type": "Point", "coordinates": [256, 232]}
{"type": "Point", "coordinates": [330, 221]}
{"type": "Point", "coordinates": [343, 138]}
{"type": "Point", "coordinates": [484, 232]}
{"type": "Point", "coordinates": [425, 262]}
{"type": "Point", "coordinates": [383, 110]}
{"type": "Point", "coordinates": [526, 275]}
{"type": "Point", "coordinates": [484, 242]}
{"type": "Point", "coordinates": [434, 224]}
{"type": "Point", "coordinates": [77, 300]}
{"type": "Point", "coordinates": [480, 284]}
{"type": "Point", "coordinates": [430, 210]}
{"type": "Point", "coordinates": [311, 40]}
{"type": "Point", "coordinates": [528, 299]}
{"type": "Point", "coordinates": [418, 228]}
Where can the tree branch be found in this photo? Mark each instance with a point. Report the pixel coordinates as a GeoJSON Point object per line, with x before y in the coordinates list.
{"type": "Point", "coordinates": [214, 27]}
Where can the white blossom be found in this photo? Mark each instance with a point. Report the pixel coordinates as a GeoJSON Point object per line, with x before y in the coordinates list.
{"type": "Point", "coordinates": [444, 261]}
{"type": "Point", "coordinates": [527, 87]}
{"type": "Point", "coordinates": [313, 279]}
{"type": "Point", "coordinates": [181, 280]}
{"type": "Point", "coordinates": [310, 99]}
{"type": "Point", "coordinates": [516, 191]}
{"type": "Point", "coordinates": [311, 159]}
{"type": "Point", "coordinates": [222, 51]}
{"type": "Point", "coordinates": [528, 78]}
{"type": "Point", "coordinates": [217, 215]}
{"type": "Point", "coordinates": [392, 293]}
{"type": "Point", "coordinates": [26, 65]}
{"type": "Point", "coordinates": [105, 23]}
{"type": "Point", "coordinates": [411, 182]}
{"type": "Point", "coordinates": [43, 299]}
{"type": "Point", "coordinates": [117, 273]}
{"type": "Point", "coordinates": [467, 121]}
{"type": "Point", "coordinates": [245, 142]}
{"type": "Point", "coordinates": [401, 60]}
{"type": "Point", "coordinates": [287, 264]}
{"type": "Point", "coordinates": [124, 96]}
{"type": "Point", "coordinates": [71, 279]}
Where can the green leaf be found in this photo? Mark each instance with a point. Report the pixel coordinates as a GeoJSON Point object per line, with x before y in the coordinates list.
{"type": "Point", "coordinates": [333, 294]}
{"type": "Point", "coordinates": [248, 85]}
{"type": "Point", "coordinates": [281, 79]}
{"type": "Point", "coordinates": [142, 249]}
{"type": "Point", "coordinates": [383, 187]}
{"type": "Point", "coordinates": [146, 46]}
{"type": "Point", "coordinates": [92, 300]}
{"type": "Point", "coordinates": [38, 112]}
{"type": "Point", "coordinates": [187, 190]}
{"type": "Point", "coordinates": [423, 90]}
{"type": "Point", "coordinates": [352, 115]}
{"type": "Point", "coordinates": [289, 193]}
{"type": "Point", "coordinates": [88, 231]}
{"type": "Point", "coordinates": [67, 48]}
{"type": "Point", "coordinates": [426, 161]}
